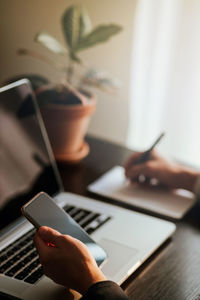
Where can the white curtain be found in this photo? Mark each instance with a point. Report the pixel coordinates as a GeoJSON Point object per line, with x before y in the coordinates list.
{"type": "Point", "coordinates": [165, 77]}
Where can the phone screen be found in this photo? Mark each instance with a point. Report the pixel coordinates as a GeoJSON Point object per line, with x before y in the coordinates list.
{"type": "Point", "coordinates": [42, 210]}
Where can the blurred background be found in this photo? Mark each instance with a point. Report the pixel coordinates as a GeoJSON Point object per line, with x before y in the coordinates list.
{"type": "Point", "coordinates": [156, 58]}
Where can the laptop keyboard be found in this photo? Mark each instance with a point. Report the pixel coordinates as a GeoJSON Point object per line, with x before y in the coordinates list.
{"type": "Point", "coordinates": [88, 220]}
{"type": "Point", "coordinates": [20, 259]}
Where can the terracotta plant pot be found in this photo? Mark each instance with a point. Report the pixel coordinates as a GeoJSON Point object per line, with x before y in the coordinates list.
{"type": "Point", "coordinates": [66, 127]}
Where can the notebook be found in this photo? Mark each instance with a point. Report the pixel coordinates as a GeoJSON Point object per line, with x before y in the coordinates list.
{"type": "Point", "coordinates": [28, 167]}
{"type": "Point", "coordinates": [114, 185]}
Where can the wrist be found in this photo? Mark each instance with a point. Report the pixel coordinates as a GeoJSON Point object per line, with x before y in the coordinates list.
{"type": "Point", "coordinates": [91, 280]}
{"type": "Point", "coordinates": [188, 179]}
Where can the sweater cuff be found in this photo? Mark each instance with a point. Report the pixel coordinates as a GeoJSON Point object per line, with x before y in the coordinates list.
{"type": "Point", "coordinates": [105, 290]}
{"type": "Point", "coordinates": [196, 189]}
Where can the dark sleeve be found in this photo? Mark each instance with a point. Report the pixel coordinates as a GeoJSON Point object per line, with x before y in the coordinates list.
{"type": "Point", "coordinates": [105, 290]}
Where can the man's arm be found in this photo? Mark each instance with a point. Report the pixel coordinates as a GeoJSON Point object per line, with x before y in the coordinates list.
{"type": "Point", "coordinates": [69, 263]}
{"type": "Point", "coordinates": [167, 173]}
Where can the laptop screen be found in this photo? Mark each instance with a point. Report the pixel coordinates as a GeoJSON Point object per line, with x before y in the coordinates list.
{"type": "Point", "coordinates": [26, 163]}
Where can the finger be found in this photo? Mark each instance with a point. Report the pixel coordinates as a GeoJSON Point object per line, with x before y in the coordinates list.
{"type": "Point", "coordinates": [134, 172]}
{"type": "Point", "coordinates": [131, 160]}
{"type": "Point", "coordinates": [155, 154]}
{"type": "Point", "coordinates": [45, 251]}
{"type": "Point", "coordinates": [147, 180]}
{"type": "Point", "coordinates": [40, 245]}
{"type": "Point", "coordinates": [142, 180]}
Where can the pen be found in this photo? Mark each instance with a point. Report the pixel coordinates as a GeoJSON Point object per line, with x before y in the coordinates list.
{"type": "Point", "coordinates": [145, 156]}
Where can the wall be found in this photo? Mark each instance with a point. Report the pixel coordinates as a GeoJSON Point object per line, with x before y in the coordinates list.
{"type": "Point", "coordinates": [21, 19]}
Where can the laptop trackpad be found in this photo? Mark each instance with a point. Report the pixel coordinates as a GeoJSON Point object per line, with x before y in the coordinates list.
{"type": "Point", "coordinates": [118, 256]}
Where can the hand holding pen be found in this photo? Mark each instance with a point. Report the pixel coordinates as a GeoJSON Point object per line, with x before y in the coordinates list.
{"type": "Point", "coordinates": [140, 163]}
{"type": "Point", "coordinates": [146, 155]}
{"type": "Point", "coordinates": [154, 167]}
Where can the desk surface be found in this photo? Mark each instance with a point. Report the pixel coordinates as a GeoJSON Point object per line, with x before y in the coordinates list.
{"type": "Point", "coordinates": [173, 271]}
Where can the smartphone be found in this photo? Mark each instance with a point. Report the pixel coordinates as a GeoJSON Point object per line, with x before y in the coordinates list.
{"type": "Point", "coordinates": [42, 210]}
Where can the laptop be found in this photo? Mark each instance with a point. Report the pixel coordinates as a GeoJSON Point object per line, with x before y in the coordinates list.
{"type": "Point", "coordinates": [28, 167]}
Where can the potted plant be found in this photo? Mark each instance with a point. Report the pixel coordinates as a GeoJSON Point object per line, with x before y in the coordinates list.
{"type": "Point", "coordinates": [66, 107]}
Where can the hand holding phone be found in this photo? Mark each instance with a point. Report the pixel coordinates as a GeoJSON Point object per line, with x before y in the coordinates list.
{"type": "Point", "coordinates": [42, 210]}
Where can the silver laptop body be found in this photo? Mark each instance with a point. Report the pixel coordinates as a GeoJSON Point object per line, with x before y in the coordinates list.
{"type": "Point", "coordinates": [28, 167]}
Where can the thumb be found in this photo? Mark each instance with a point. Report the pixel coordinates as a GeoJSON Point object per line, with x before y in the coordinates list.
{"type": "Point", "coordinates": [48, 234]}
{"type": "Point", "coordinates": [137, 170]}
{"type": "Point", "coordinates": [128, 164]}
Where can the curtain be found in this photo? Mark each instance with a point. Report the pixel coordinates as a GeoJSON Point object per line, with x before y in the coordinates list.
{"type": "Point", "coordinates": [165, 78]}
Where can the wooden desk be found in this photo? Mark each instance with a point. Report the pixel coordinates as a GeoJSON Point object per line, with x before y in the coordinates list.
{"type": "Point", "coordinates": [173, 272]}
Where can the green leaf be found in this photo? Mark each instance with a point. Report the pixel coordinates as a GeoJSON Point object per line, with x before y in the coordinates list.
{"type": "Point", "coordinates": [70, 24]}
{"type": "Point", "coordinates": [76, 24]}
{"type": "Point", "coordinates": [50, 42]}
{"type": "Point", "coordinates": [85, 24]}
{"type": "Point", "coordinates": [99, 35]}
